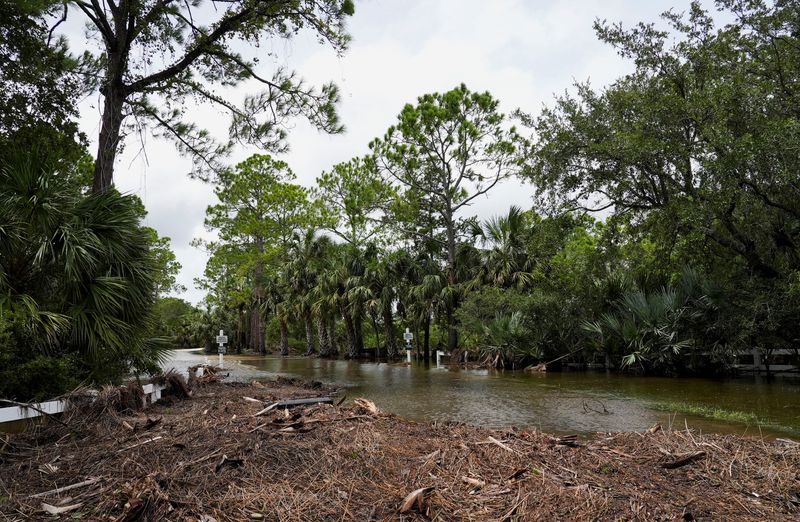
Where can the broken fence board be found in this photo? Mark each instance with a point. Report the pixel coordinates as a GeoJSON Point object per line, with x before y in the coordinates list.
{"type": "Point", "coordinates": [16, 413]}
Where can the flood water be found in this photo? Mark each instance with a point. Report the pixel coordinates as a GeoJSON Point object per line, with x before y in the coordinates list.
{"type": "Point", "coordinates": [558, 402]}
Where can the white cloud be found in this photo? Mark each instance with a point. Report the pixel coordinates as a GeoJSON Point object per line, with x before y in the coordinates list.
{"type": "Point", "coordinates": [521, 51]}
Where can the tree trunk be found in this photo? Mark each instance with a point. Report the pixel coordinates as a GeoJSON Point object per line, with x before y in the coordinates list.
{"type": "Point", "coordinates": [358, 333]}
{"type": "Point", "coordinates": [388, 331]}
{"type": "Point", "coordinates": [284, 336]}
{"type": "Point", "coordinates": [426, 338]}
{"type": "Point", "coordinates": [374, 319]}
{"type": "Point", "coordinates": [452, 281]}
{"type": "Point", "coordinates": [334, 345]}
{"type": "Point", "coordinates": [349, 331]}
{"type": "Point", "coordinates": [257, 331]}
{"type": "Point", "coordinates": [113, 104]}
{"type": "Point", "coordinates": [238, 334]}
{"type": "Point", "coordinates": [322, 333]}
{"type": "Point", "coordinates": [309, 332]}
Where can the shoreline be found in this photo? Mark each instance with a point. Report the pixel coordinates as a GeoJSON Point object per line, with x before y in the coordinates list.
{"type": "Point", "coordinates": [209, 456]}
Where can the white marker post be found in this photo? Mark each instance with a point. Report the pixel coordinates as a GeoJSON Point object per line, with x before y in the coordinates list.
{"type": "Point", "coordinates": [221, 339]}
{"type": "Point", "coordinates": [408, 336]}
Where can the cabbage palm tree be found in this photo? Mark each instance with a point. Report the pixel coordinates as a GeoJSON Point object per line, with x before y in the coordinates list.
{"type": "Point", "coordinates": [76, 269]}
{"type": "Point", "coordinates": [307, 251]}
{"type": "Point", "coordinates": [506, 261]}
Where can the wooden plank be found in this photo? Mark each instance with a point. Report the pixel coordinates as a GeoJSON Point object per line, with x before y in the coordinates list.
{"type": "Point", "coordinates": [15, 413]}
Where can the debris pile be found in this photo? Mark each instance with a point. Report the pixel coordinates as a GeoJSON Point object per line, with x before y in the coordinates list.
{"type": "Point", "coordinates": [282, 451]}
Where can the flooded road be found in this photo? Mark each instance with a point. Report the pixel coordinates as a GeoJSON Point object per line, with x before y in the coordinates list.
{"type": "Point", "coordinates": [558, 402]}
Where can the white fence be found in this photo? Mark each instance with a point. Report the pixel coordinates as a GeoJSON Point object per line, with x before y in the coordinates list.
{"type": "Point", "coordinates": [152, 393]}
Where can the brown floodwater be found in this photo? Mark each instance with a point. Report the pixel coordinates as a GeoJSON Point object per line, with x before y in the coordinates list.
{"type": "Point", "coordinates": [560, 402]}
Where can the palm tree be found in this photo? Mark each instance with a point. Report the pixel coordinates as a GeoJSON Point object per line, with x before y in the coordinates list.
{"type": "Point", "coordinates": [306, 252]}
{"type": "Point", "coordinates": [76, 269]}
{"type": "Point", "coordinates": [654, 329]}
{"type": "Point", "coordinates": [506, 262]}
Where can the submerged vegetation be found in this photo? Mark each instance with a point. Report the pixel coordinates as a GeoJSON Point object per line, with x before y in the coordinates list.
{"type": "Point", "coordinates": [712, 412]}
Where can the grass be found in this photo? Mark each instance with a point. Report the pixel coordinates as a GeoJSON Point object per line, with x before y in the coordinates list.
{"type": "Point", "coordinates": [711, 412]}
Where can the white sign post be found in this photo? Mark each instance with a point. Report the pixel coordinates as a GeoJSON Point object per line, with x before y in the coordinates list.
{"type": "Point", "coordinates": [408, 336]}
{"type": "Point", "coordinates": [221, 339]}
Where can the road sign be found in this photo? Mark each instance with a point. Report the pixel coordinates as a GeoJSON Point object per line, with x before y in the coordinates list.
{"type": "Point", "coordinates": [408, 336]}
{"type": "Point", "coordinates": [222, 338]}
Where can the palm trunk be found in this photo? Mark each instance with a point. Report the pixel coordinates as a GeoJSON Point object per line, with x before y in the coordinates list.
{"type": "Point", "coordinates": [388, 330]}
{"type": "Point", "coordinates": [349, 331]}
{"type": "Point", "coordinates": [334, 345]}
{"type": "Point", "coordinates": [322, 334]}
{"type": "Point", "coordinates": [284, 336]}
{"type": "Point", "coordinates": [426, 337]}
{"type": "Point", "coordinates": [309, 332]}
{"type": "Point", "coordinates": [358, 329]}
{"type": "Point", "coordinates": [374, 319]}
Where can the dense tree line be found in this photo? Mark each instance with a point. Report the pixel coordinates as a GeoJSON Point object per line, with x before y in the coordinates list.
{"type": "Point", "coordinates": [691, 161]}
{"type": "Point", "coordinates": [663, 236]}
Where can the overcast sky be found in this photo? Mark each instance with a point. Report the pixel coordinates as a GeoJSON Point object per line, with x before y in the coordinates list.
{"type": "Point", "coordinates": [522, 51]}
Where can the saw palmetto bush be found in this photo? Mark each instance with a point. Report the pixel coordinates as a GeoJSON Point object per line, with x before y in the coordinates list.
{"type": "Point", "coordinates": [659, 330]}
{"type": "Point", "coordinates": [76, 282]}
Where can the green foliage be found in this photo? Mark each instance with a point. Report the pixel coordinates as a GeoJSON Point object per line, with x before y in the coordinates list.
{"type": "Point", "coordinates": [158, 58]}
{"type": "Point", "coordinates": [655, 330]}
{"type": "Point", "coordinates": [354, 194]}
{"type": "Point", "coordinates": [174, 321]}
{"type": "Point", "coordinates": [692, 157]}
{"type": "Point", "coordinates": [442, 154]}
{"type": "Point", "coordinates": [167, 263]}
{"type": "Point", "coordinates": [77, 276]}
{"type": "Point", "coordinates": [259, 213]}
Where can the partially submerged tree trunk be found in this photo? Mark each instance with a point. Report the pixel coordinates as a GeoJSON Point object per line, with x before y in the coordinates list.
{"type": "Point", "coordinates": [452, 280]}
{"type": "Point", "coordinates": [426, 338]}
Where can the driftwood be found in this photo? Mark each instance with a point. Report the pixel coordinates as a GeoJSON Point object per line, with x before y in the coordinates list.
{"type": "Point", "coordinates": [367, 405]}
{"type": "Point", "coordinates": [474, 482]}
{"type": "Point", "coordinates": [66, 488]}
{"type": "Point", "coordinates": [492, 440]}
{"type": "Point", "coordinates": [57, 510]}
